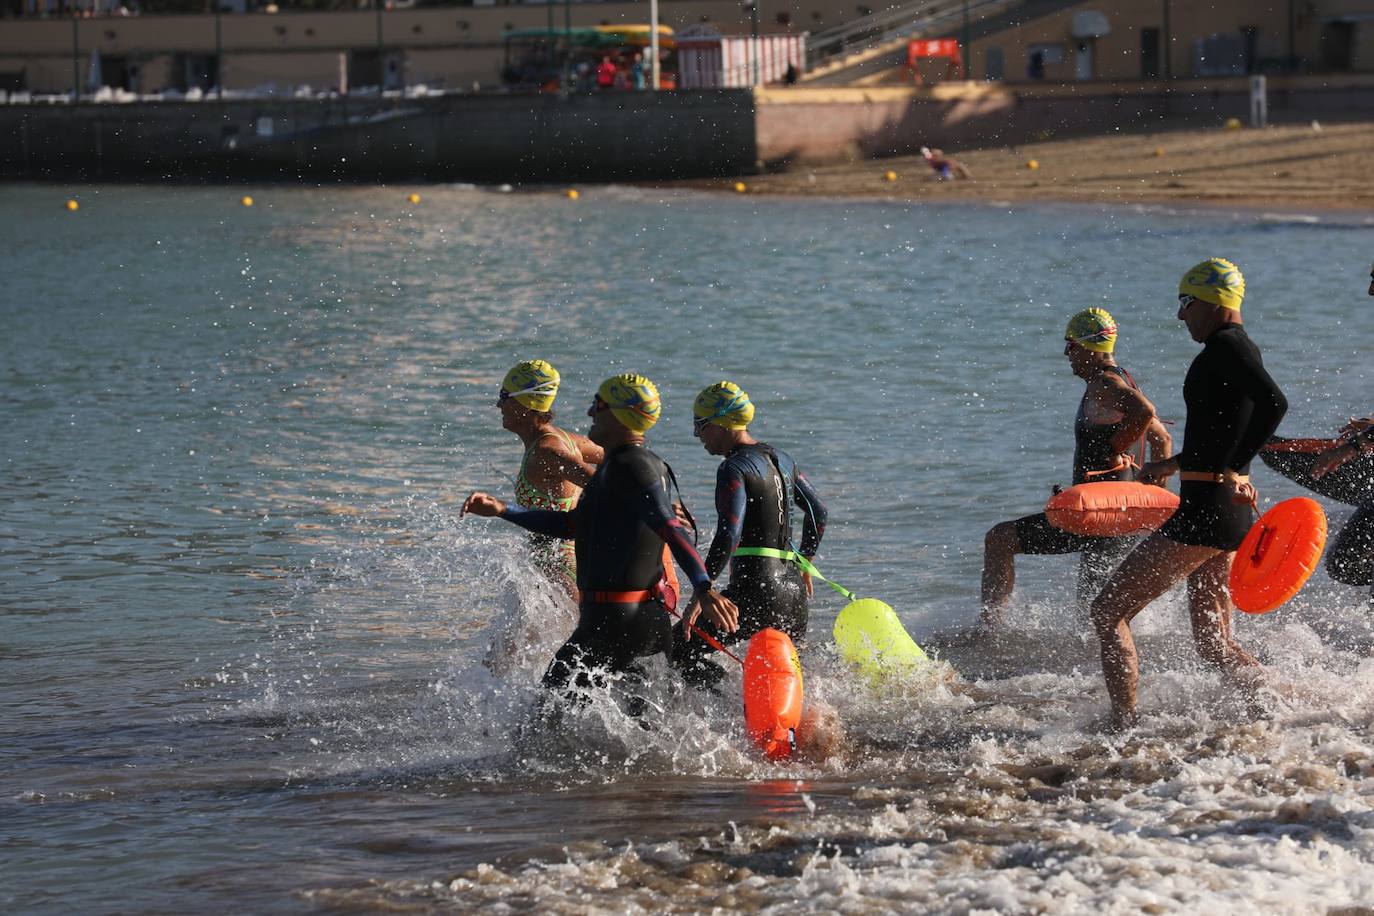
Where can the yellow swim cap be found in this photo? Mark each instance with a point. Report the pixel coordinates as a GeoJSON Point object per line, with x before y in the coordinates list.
{"type": "Point", "coordinates": [633, 400]}
{"type": "Point", "coordinates": [1092, 329]}
{"type": "Point", "coordinates": [534, 383]}
{"type": "Point", "coordinates": [724, 404]}
{"type": "Point", "coordinates": [1215, 280]}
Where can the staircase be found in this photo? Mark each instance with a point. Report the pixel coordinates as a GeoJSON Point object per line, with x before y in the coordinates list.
{"type": "Point", "coordinates": [856, 51]}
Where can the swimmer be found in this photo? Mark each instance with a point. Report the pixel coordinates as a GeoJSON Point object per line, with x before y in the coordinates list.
{"type": "Point", "coordinates": [1371, 281]}
{"type": "Point", "coordinates": [1233, 408]}
{"type": "Point", "coordinates": [1350, 558]}
{"type": "Point", "coordinates": [619, 528]}
{"type": "Point", "coordinates": [556, 464]}
{"type": "Point", "coordinates": [756, 486]}
{"type": "Point", "coordinates": [1115, 421]}
{"type": "Point", "coordinates": [945, 168]}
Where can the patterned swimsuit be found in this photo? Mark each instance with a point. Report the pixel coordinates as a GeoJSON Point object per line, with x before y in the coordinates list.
{"type": "Point", "coordinates": [549, 554]}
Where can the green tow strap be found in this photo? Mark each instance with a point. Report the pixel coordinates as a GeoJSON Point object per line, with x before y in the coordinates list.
{"type": "Point", "coordinates": [796, 559]}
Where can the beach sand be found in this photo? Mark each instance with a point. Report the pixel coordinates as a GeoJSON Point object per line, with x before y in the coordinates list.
{"type": "Point", "coordinates": [1286, 167]}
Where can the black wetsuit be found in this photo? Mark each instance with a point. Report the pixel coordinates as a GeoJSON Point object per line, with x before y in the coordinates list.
{"type": "Point", "coordinates": [1092, 452]}
{"type": "Point", "coordinates": [1233, 408]}
{"type": "Point", "coordinates": [756, 486]}
{"type": "Point", "coordinates": [620, 525]}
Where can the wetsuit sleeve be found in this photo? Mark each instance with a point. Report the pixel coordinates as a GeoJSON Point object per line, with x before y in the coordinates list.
{"type": "Point", "coordinates": [814, 512]}
{"type": "Point", "coordinates": [551, 522]}
{"type": "Point", "coordinates": [1248, 372]}
{"type": "Point", "coordinates": [731, 502]}
{"type": "Point", "coordinates": [655, 510]}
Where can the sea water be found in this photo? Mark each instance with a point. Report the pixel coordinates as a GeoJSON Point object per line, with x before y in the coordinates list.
{"type": "Point", "coordinates": [251, 659]}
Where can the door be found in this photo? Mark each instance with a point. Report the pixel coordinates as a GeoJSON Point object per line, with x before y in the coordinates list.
{"type": "Point", "coordinates": [1083, 60]}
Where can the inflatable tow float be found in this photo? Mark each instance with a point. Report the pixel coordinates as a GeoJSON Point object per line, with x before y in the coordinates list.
{"type": "Point", "coordinates": [1278, 556]}
{"type": "Point", "coordinates": [773, 694]}
{"type": "Point", "coordinates": [1111, 508]}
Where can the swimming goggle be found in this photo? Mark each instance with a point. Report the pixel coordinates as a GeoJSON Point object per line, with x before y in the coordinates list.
{"type": "Point", "coordinates": [544, 387]}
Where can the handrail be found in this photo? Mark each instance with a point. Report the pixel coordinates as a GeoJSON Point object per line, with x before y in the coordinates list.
{"type": "Point", "coordinates": [895, 22]}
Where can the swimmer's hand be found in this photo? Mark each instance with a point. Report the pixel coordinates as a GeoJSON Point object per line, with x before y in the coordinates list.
{"type": "Point", "coordinates": [1243, 492]}
{"type": "Point", "coordinates": [719, 609]}
{"type": "Point", "coordinates": [483, 504]}
{"type": "Point", "coordinates": [1356, 425]}
{"type": "Point", "coordinates": [810, 586]}
{"type": "Point", "coordinates": [1156, 472]}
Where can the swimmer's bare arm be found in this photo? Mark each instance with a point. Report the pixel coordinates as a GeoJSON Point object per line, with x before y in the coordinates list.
{"type": "Point", "coordinates": [1137, 413]}
{"type": "Point", "coordinates": [553, 464]}
{"type": "Point", "coordinates": [1159, 440]}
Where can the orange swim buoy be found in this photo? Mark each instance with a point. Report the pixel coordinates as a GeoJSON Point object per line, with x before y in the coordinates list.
{"type": "Point", "coordinates": [772, 693]}
{"type": "Point", "coordinates": [1278, 556]}
{"type": "Point", "coordinates": [1111, 508]}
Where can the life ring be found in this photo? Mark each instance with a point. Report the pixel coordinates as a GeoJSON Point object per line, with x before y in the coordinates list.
{"type": "Point", "coordinates": [1110, 508]}
{"type": "Point", "coordinates": [1278, 556]}
{"type": "Point", "coordinates": [871, 638]}
{"type": "Point", "coordinates": [1352, 483]}
{"type": "Point", "coordinates": [772, 693]}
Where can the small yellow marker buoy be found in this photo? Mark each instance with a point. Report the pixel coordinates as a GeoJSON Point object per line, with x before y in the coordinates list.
{"type": "Point", "coordinates": [740, 187]}
{"type": "Point", "coordinates": [1159, 151]}
{"type": "Point", "coordinates": [1032, 164]}
{"type": "Point", "coordinates": [413, 198]}
{"type": "Point", "coordinates": [246, 201]}
{"type": "Point", "coordinates": [890, 176]}
{"type": "Point", "coordinates": [572, 194]}
{"type": "Point", "coordinates": [72, 205]}
{"type": "Point", "coordinates": [1233, 124]}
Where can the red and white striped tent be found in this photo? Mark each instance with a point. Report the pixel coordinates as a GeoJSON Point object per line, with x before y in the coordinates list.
{"type": "Point", "coordinates": [707, 59]}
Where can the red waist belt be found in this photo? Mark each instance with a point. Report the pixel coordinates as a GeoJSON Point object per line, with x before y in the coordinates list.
{"type": "Point", "coordinates": [634, 597]}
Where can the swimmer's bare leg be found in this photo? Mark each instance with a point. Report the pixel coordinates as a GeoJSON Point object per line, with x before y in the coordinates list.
{"type": "Point", "coordinates": [1210, 609]}
{"type": "Point", "coordinates": [1146, 573]}
{"type": "Point", "coordinates": [1000, 547]}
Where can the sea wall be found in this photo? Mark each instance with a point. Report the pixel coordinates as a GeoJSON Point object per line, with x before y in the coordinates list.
{"type": "Point", "coordinates": [502, 137]}
{"type": "Point", "coordinates": [608, 137]}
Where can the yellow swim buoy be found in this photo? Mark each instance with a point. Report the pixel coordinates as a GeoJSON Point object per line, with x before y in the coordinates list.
{"type": "Point", "coordinates": [890, 176]}
{"type": "Point", "coordinates": [72, 205]}
{"type": "Point", "coordinates": [571, 194]}
{"type": "Point", "coordinates": [740, 187]}
{"type": "Point", "coordinates": [413, 198]}
{"type": "Point", "coordinates": [246, 201]}
{"type": "Point", "coordinates": [1159, 151]}
{"type": "Point", "coordinates": [872, 639]}
{"type": "Point", "coordinates": [1233, 124]}
{"type": "Point", "coordinates": [1032, 164]}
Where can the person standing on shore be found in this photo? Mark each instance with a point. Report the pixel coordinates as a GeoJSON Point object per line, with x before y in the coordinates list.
{"type": "Point", "coordinates": [756, 486]}
{"type": "Point", "coordinates": [1233, 408]}
{"type": "Point", "coordinates": [1114, 422]}
{"type": "Point", "coordinates": [619, 528]}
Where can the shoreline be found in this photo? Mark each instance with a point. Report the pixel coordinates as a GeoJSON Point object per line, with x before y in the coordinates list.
{"type": "Point", "coordinates": [1280, 169]}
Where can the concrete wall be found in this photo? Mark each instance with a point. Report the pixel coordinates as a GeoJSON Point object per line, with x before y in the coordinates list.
{"type": "Point", "coordinates": [1117, 55]}
{"type": "Point", "coordinates": [493, 138]}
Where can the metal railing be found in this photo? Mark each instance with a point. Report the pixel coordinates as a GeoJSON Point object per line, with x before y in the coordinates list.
{"type": "Point", "coordinates": [922, 16]}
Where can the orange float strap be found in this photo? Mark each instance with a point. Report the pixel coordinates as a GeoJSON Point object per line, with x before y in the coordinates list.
{"type": "Point", "coordinates": [1278, 556]}
{"type": "Point", "coordinates": [772, 693]}
{"type": "Point", "coordinates": [1110, 508]}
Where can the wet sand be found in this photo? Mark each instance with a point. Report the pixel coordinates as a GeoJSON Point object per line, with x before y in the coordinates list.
{"type": "Point", "coordinates": [1287, 167]}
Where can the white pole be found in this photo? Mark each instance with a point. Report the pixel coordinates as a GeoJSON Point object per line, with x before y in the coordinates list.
{"type": "Point", "coordinates": [1259, 101]}
{"type": "Point", "coordinates": [653, 45]}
